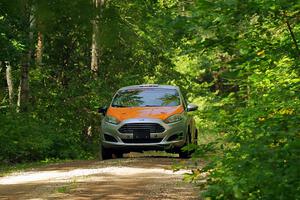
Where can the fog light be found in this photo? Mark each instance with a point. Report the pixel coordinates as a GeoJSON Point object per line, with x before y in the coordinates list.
{"type": "Point", "coordinates": [178, 136]}
{"type": "Point", "coordinates": [109, 138]}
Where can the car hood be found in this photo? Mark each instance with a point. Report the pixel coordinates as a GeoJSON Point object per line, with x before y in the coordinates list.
{"type": "Point", "coordinates": [144, 112]}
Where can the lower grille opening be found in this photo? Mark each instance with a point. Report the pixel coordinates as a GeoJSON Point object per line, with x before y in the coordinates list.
{"type": "Point", "coordinates": [154, 140]}
{"type": "Point", "coordinates": [109, 138]}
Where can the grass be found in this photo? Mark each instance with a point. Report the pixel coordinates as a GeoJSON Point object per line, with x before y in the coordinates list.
{"type": "Point", "coordinates": [67, 188]}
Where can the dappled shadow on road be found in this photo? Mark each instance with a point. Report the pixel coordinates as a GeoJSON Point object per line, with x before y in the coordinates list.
{"type": "Point", "coordinates": [143, 186]}
{"type": "Point", "coordinates": [164, 160]}
{"type": "Point", "coordinates": [141, 177]}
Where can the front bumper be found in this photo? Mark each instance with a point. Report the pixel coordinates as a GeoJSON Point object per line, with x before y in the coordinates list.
{"type": "Point", "coordinates": [173, 136]}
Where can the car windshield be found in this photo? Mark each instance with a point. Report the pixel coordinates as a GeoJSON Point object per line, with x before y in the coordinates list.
{"type": "Point", "coordinates": [144, 97]}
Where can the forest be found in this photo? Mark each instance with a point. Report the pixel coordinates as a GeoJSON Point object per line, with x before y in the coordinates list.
{"type": "Point", "coordinates": [237, 60]}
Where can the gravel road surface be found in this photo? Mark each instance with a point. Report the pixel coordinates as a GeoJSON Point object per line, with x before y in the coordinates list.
{"type": "Point", "coordinates": [130, 178]}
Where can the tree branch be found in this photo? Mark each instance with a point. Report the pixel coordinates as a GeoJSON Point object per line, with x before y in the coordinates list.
{"type": "Point", "coordinates": [292, 35]}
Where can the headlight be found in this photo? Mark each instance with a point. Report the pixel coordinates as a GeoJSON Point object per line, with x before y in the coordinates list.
{"type": "Point", "coordinates": [174, 118]}
{"type": "Point", "coordinates": [111, 119]}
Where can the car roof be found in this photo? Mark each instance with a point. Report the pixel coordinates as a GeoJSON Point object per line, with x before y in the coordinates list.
{"type": "Point", "coordinates": [149, 86]}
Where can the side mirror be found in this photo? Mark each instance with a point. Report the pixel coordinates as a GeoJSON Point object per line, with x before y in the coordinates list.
{"type": "Point", "coordinates": [102, 110]}
{"type": "Point", "coordinates": [192, 107]}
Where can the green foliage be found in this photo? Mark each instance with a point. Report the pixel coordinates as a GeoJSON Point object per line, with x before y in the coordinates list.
{"type": "Point", "coordinates": [20, 142]}
{"type": "Point", "coordinates": [27, 138]}
{"type": "Point", "coordinates": [238, 60]}
{"type": "Point", "coordinates": [64, 93]}
{"type": "Point", "coordinates": [248, 77]}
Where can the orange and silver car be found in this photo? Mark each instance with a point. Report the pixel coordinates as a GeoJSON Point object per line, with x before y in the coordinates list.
{"type": "Point", "coordinates": [147, 117]}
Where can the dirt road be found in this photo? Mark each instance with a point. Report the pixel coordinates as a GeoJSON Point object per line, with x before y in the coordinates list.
{"type": "Point", "coordinates": [129, 178]}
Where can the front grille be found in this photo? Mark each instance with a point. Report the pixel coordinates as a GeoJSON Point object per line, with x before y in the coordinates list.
{"type": "Point", "coordinates": [132, 127]}
{"type": "Point", "coordinates": [154, 140]}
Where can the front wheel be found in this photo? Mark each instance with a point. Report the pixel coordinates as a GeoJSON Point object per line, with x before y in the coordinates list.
{"type": "Point", "coordinates": [186, 153]}
{"type": "Point", "coordinates": [105, 153]}
{"type": "Point", "coordinates": [196, 137]}
{"type": "Point", "coordinates": [118, 154]}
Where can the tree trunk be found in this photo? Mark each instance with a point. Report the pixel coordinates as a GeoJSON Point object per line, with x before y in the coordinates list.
{"type": "Point", "coordinates": [95, 57]}
{"type": "Point", "coordinates": [9, 82]}
{"type": "Point", "coordinates": [39, 49]}
{"type": "Point", "coordinates": [291, 33]}
{"type": "Point", "coordinates": [23, 96]}
{"type": "Point", "coordinates": [96, 53]}
{"type": "Point", "coordinates": [293, 37]}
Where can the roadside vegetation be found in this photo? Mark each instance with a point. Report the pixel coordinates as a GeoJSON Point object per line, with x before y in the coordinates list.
{"type": "Point", "coordinates": [238, 60]}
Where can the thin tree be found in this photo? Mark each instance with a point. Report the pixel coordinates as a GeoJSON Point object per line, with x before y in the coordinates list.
{"type": "Point", "coordinates": [96, 51]}
{"type": "Point", "coordinates": [23, 96]}
{"type": "Point", "coordinates": [9, 82]}
{"type": "Point", "coordinates": [39, 49]}
{"type": "Point", "coordinates": [95, 57]}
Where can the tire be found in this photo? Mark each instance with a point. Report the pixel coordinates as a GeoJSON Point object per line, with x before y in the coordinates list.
{"type": "Point", "coordinates": [186, 154]}
{"type": "Point", "coordinates": [196, 136]}
{"type": "Point", "coordinates": [118, 154]}
{"type": "Point", "coordinates": [105, 153]}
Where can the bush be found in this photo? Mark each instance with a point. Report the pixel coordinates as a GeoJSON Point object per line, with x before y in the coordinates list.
{"type": "Point", "coordinates": [24, 138]}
